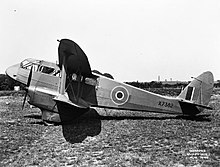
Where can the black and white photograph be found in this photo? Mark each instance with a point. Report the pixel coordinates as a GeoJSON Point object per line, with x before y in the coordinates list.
{"type": "Point", "coordinates": [106, 83]}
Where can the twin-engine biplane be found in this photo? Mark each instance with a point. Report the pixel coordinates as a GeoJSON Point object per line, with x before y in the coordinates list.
{"type": "Point", "coordinates": [66, 90]}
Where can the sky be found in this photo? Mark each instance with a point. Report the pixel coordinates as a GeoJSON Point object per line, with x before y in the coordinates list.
{"type": "Point", "coordinates": [133, 40]}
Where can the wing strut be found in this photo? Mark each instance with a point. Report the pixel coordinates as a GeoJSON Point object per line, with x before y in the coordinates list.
{"type": "Point", "coordinates": [63, 78]}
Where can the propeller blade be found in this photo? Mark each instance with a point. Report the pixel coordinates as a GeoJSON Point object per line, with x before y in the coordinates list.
{"type": "Point", "coordinates": [29, 77]}
{"type": "Point", "coordinates": [26, 89]}
{"type": "Point", "coordinates": [24, 100]}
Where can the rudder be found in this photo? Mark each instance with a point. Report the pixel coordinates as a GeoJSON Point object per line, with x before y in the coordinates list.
{"type": "Point", "coordinates": [200, 89]}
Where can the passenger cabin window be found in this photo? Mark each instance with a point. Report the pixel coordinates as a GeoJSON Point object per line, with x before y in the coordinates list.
{"type": "Point", "coordinates": [56, 73]}
{"type": "Point", "coordinates": [46, 70]}
{"type": "Point", "coordinates": [49, 70]}
{"type": "Point", "coordinates": [91, 81]}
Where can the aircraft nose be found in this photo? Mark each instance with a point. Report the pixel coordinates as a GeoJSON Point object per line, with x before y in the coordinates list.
{"type": "Point", "coordinates": [12, 71]}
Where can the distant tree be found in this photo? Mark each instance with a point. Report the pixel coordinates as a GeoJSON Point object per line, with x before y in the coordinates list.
{"type": "Point", "coordinates": [6, 83]}
{"type": "Point", "coordinates": [135, 84]}
{"type": "Point", "coordinates": [142, 85]}
{"type": "Point", "coordinates": [217, 84]}
{"type": "Point", "coordinates": [168, 85]}
{"type": "Point", "coordinates": [154, 84]}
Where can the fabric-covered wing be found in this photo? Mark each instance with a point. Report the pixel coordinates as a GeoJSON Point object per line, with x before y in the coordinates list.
{"type": "Point", "coordinates": [76, 60]}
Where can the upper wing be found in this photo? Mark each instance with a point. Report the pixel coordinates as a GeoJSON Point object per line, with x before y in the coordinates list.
{"type": "Point", "coordinates": [76, 60]}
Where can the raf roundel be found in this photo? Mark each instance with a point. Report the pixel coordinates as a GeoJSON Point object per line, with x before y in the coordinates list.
{"type": "Point", "coordinates": [119, 95]}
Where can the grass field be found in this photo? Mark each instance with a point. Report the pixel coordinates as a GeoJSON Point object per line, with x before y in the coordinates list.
{"type": "Point", "coordinates": [108, 138]}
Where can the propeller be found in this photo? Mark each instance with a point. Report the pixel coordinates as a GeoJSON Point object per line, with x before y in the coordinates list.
{"type": "Point", "coordinates": [26, 88]}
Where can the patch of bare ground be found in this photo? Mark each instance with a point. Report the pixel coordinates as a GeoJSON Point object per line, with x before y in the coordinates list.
{"type": "Point", "coordinates": [108, 138]}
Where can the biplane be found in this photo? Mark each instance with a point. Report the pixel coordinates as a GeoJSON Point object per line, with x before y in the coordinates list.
{"type": "Point", "coordinates": [70, 88]}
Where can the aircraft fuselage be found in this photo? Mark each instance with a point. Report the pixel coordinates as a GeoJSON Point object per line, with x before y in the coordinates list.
{"type": "Point", "coordinates": [97, 91]}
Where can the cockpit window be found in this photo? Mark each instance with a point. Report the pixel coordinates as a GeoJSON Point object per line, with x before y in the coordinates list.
{"type": "Point", "coordinates": [40, 66]}
{"type": "Point", "coordinates": [47, 70]}
{"type": "Point", "coordinates": [27, 64]}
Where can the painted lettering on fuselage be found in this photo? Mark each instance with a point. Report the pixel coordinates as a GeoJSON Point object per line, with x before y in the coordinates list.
{"type": "Point", "coordinates": [165, 104]}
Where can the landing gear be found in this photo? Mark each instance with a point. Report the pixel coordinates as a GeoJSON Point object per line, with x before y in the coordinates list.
{"type": "Point", "coordinates": [50, 118]}
{"type": "Point", "coordinates": [48, 123]}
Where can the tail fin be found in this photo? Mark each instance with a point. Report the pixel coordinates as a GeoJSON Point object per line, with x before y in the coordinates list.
{"type": "Point", "coordinates": [200, 89]}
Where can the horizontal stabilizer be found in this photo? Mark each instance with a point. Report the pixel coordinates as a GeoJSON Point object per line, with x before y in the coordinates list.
{"type": "Point", "coordinates": [197, 105]}
{"type": "Point", "coordinates": [202, 106]}
{"type": "Point", "coordinates": [81, 103]}
{"type": "Point", "coordinates": [189, 108]}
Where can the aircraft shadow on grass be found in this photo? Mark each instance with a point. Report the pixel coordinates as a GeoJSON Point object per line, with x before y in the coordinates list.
{"type": "Point", "coordinates": [34, 116]}
{"type": "Point", "coordinates": [78, 129]}
{"type": "Point", "coordinates": [89, 124]}
{"type": "Point", "coordinates": [198, 118]}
